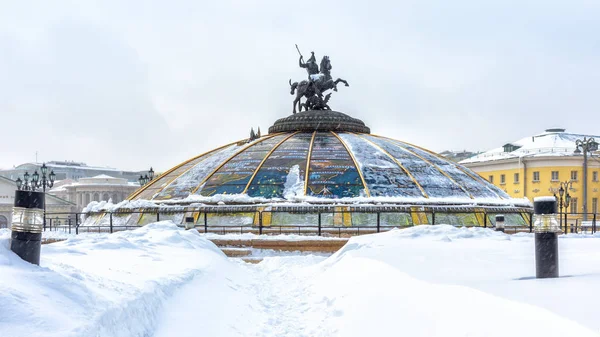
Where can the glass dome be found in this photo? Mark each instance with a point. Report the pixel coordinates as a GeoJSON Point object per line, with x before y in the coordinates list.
{"type": "Point", "coordinates": [340, 160]}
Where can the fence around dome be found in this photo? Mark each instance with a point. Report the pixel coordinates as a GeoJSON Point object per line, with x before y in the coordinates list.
{"type": "Point", "coordinates": [307, 220]}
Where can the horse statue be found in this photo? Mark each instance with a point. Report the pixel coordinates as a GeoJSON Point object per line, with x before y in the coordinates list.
{"type": "Point", "coordinates": [325, 80]}
{"type": "Point", "coordinates": [303, 89]}
{"type": "Point", "coordinates": [315, 86]}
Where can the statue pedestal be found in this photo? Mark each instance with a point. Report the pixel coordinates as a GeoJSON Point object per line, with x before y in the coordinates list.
{"type": "Point", "coordinates": [319, 120]}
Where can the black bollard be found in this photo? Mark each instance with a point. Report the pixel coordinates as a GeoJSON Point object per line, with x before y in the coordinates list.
{"type": "Point", "coordinates": [27, 224]}
{"type": "Point", "coordinates": [546, 230]}
{"type": "Point", "coordinates": [500, 223]}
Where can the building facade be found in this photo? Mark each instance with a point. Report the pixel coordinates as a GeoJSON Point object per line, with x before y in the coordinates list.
{"type": "Point", "coordinates": [536, 166]}
{"type": "Point", "coordinates": [54, 204]}
{"type": "Point", "coordinates": [71, 170]}
{"type": "Point", "coordinates": [98, 188]}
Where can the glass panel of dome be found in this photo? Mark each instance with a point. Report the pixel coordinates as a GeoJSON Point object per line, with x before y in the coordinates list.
{"type": "Point", "coordinates": [165, 181]}
{"type": "Point", "coordinates": [176, 217]}
{"type": "Point", "coordinates": [364, 219]}
{"type": "Point", "coordinates": [431, 179]}
{"type": "Point", "coordinates": [510, 219]}
{"type": "Point", "coordinates": [389, 219]}
{"type": "Point", "coordinates": [271, 177]}
{"type": "Point", "coordinates": [383, 176]}
{"type": "Point", "coordinates": [224, 220]}
{"type": "Point", "coordinates": [233, 177]}
{"type": "Point", "coordinates": [475, 186]}
{"type": "Point", "coordinates": [181, 187]}
{"type": "Point", "coordinates": [295, 219]}
{"type": "Point", "coordinates": [332, 173]}
{"type": "Point", "coordinates": [456, 219]}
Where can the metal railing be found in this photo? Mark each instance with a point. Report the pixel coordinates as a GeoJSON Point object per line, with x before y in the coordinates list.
{"type": "Point", "coordinates": [574, 223]}
{"type": "Point", "coordinates": [320, 221]}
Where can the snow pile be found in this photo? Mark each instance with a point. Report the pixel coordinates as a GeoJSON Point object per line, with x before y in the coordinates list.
{"type": "Point", "coordinates": [460, 282]}
{"type": "Point", "coordinates": [367, 297]}
{"type": "Point", "coordinates": [423, 281]}
{"type": "Point", "coordinates": [105, 285]}
{"type": "Point", "coordinates": [97, 206]}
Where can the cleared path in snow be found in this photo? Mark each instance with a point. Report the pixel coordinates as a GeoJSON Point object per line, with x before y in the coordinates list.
{"type": "Point", "coordinates": [268, 299]}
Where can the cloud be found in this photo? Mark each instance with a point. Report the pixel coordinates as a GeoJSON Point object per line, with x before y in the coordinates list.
{"type": "Point", "coordinates": [133, 84]}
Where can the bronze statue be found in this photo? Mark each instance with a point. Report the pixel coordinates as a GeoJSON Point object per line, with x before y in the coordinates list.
{"type": "Point", "coordinates": [319, 80]}
{"type": "Point", "coordinates": [311, 65]}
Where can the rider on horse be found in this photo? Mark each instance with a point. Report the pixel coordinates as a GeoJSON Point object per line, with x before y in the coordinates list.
{"type": "Point", "coordinates": [313, 71]}
{"type": "Point", "coordinates": [311, 65]}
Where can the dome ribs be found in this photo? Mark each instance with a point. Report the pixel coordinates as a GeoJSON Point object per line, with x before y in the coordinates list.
{"type": "Point", "coordinates": [270, 181]}
{"type": "Point", "coordinates": [362, 179]}
{"type": "Point", "coordinates": [174, 190]}
{"type": "Point", "coordinates": [165, 174]}
{"type": "Point", "coordinates": [312, 142]}
{"type": "Point", "coordinates": [332, 173]}
{"type": "Point", "coordinates": [397, 163]}
{"type": "Point", "coordinates": [471, 174]}
{"type": "Point", "coordinates": [265, 159]}
{"type": "Point", "coordinates": [258, 141]}
{"type": "Point", "coordinates": [398, 145]}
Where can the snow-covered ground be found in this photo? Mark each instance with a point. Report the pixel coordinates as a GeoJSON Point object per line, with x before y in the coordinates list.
{"type": "Point", "coordinates": [160, 280]}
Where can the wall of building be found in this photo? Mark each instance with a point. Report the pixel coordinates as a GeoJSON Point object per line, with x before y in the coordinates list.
{"type": "Point", "coordinates": [545, 185]}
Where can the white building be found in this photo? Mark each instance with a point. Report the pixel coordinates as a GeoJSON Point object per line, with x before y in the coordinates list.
{"type": "Point", "coordinates": [7, 199]}
{"type": "Point", "coordinates": [98, 188]}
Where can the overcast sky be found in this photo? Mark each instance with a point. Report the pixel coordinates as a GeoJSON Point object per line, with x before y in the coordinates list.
{"type": "Point", "coordinates": [134, 84]}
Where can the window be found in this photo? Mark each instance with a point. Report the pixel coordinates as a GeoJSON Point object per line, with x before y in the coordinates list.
{"type": "Point", "coordinates": [594, 205]}
{"type": "Point", "coordinates": [554, 175]}
{"type": "Point", "coordinates": [574, 175]}
{"type": "Point", "coordinates": [573, 205]}
{"type": "Point", "coordinates": [510, 147]}
{"type": "Point", "coordinates": [502, 179]}
{"type": "Point", "coordinates": [516, 178]}
{"type": "Point", "coordinates": [536, 176]}
{"type": "Point", "coordinates": [491, 179]}
{"type": "Point", "coordinates": [595, 176]}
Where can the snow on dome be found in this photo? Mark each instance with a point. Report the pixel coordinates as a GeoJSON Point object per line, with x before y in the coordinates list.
{"type": "Point", "coordinates": [300, 166]}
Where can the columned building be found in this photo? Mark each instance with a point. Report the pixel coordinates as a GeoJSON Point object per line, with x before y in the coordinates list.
{"type": "Point", "coordinates": [537, 165]}
{"type": "Point", "coordinates": [54, 204]}
{"type": "Point", "coordinates": [98, 188]}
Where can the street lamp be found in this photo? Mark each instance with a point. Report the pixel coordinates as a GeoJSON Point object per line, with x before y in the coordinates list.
{"type": "Point", "coordinates": [585, 145]}
{"type": "Point", "coordinates": [44, 181]}
{"type": "Point", "coordinates": [144, 179]}
{"type": "Point", "coordinates": [564, 199]}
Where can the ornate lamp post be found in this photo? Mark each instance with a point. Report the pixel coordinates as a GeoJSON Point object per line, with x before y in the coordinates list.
{"type": "Point", "coordinates": [585, 145]}
{"type": "Point", "coordinates": [144, 179]}
{"type": "Point", "coordinates": [46, 181]}
{"type": "Point", "coordinates": [29, 214]}
{"type": "Point", "coordinates": [564, 199]}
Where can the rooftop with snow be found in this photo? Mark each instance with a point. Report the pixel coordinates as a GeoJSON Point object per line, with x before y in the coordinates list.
{"type": "Point", "coordinates": [551, 142]}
